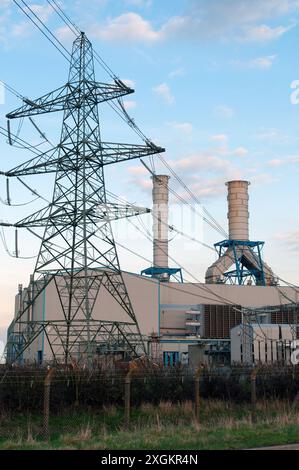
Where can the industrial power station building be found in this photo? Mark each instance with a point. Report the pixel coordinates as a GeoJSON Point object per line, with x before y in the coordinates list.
{"type": "Point", "coordinates": [240, 314]}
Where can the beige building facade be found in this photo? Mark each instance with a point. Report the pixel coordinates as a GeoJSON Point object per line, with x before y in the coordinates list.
{"type": "Point", "coordinates": [172, 316]}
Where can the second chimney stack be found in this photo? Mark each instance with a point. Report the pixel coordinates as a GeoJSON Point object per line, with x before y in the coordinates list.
{"type": "Point", "coordinates": [238, 215]}
{"type": "Point", "coordinates": [160, 215]}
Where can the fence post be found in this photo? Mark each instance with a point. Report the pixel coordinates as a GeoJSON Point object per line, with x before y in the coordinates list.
{"type": "Point", "coordinates": [128, 380]}
{"type": "Point", "coordinates": [197, 394]}
{"type": "Point", "coordinates": [253, 394]}
{"type": "Point", "coordinates": [77, 388]}
{"type": "Point", "coordinates": [47, 388]}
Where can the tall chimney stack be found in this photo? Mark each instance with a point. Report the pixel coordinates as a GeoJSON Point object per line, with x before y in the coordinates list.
{"type": "Point", "coordinates": [238, 250]}
{"type": "Point", "coordinates": [238, 215]}
{"type": "Point", "coordinates": [160, 222]}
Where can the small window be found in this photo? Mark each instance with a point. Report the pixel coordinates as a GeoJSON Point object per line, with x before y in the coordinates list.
{"type": "Point", "coordinates": [170, 358]}
{"type": "Point", "coordinates": [39, 357]}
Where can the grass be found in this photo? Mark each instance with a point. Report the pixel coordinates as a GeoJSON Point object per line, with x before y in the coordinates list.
{"type": "Point", "coordinates": [167, 426]}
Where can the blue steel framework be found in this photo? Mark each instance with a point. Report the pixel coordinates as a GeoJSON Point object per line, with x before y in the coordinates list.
{"type": "Point", "coordinates": [244, 268]}
{"type": "Point", "coordinates": [158, 272]}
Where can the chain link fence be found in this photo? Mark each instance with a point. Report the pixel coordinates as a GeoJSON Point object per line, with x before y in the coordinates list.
{"type": "Point", "coordinates": [41, 403]}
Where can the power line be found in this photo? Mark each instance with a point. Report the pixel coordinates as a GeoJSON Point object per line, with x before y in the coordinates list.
{"type": "Point", "coordinates": [201, 296]}
{"type": "Point", "coordinates": [184, 201]}
{"type": "Point", "coordinates": [168, 286]}
{"type": "Point", "coordinates": [229, 302]}
{"type": "Point", "coordinates": [205, 288]}
{"type": "Point", "coordinates": [60, 12]}
{"type": "Point", "coordinates": [12, 90]}
{"type": "Point", "coordinates": [170, 227]}
{"type": "Point", "coordinates": [121, 110]}
{"type": "Point", "coordinates": [40, 29]}
{"type": "Point", "coordinates": [76, 30]}
{"type": "Point", "coordinates": [8, 252]}
{"type": "Point", "coordinates": [17, 94]}
{"type": "Point", "coordinates": [193, 196]}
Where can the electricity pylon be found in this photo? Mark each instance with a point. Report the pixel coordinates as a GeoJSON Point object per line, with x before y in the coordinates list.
{"type": "Point", "coordinates": [78, 252]}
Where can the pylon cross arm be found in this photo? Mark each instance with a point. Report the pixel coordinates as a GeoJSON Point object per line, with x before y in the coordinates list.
{"type": "Point", "coordinates": [53, 101]}
{"type": "Point", "coordinates": [116, 153]}
{"type": "Point", "coordinates": [104, 153]}
{"type": "Point", "coordinates": [109, 212]}
{"type": "Point", "coordinates": [71, 92]}
{"type": "Point", "coordinates": [43, 163]}
{"type": "Point", "coordinates": [105, 92]}
{"type": "Point", "coordinates": [60, 217]}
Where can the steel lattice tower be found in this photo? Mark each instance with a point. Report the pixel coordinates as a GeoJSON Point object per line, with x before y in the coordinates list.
{"type": "Point", "coordinates": [78, 251]}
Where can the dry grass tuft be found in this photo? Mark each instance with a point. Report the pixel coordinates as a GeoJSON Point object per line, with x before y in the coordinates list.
{"type": "Point", "coordinates": [30, 439]}
{"type": "Point", "coordinates": [166, 406]}
{"type": "Point", "coordinates": [147, 407]}
{"type": "Point", "coordinates": [110, 410]}
{"type": "Point", "coordinates": [12, 443]}
{"type": "Point", "coordinates": [283, 419]}
{"type": "Point", "coordinates": [187, 406]}
{"type": "Point", "coordinates": [196, 425]}
{"type": "Point", "coordinates": [84, 435]}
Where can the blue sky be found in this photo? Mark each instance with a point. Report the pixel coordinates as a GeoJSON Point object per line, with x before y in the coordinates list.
{"type": "Point", "coordinates": [213, 85]}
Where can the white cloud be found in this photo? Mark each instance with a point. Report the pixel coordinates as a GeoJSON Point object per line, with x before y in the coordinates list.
{"type": "Point", "coordinates": [185, 127]}
{"type": "Point", "coordinates": [240, 152]}
{"type": "Point", "coordinates": [222, 138]}
{"type": "Point", "coordinates": [164, 91]}
{"type": "Point", "coordinates": [290, 238]}
{"type": "Point", "coordinates": [272, 135]}
{"type": "Point", "coordinates": [21, 29]}
{"type": "Point", "coordinates": [130, 104]}
{"type": "Point", "coordinates": [263, 178]}
{"type": "Point", "coordinates": [263, 62]}
{"type": "Point", "coordinates": [42, 11]}
{"type": "Point", "coordinates": [64, 34]}
{"type": "Point", "coordinates": [293, 159]}
{"type": "Point", "coordinates": [129, 27]}
{"type": "Point", "coordinates": [177, 73]}
{"type": "Point", "coordinates": [138, 3]}
{"type": "Point", "coordinates": [206, 172]}
{"type": "Point", "coordinates": [257, 63]}
{"type": "Point", "coordinates": [24, 28]}
{"type": "Point", "coordinates": [9, 28]}
{"type": "Point", "coordinates": [290, 160]}
{"type": "Point", "coordinates": [225, 151]}
{"type": "Point", "coordinates": [209, 188]}
{"type": "Point", "coordinates": [244, 20]}
{"type": "Point", "coordinates": [224, 112]}
{"type": "Point", "coordinates": [130, 83]}
{"type": "Point", "coordinates": [138, 170]}
{"type": "Point", "coordinates": [275, 162]}
{"type": "Point", "coordinates": [263, 33]}
{"type": "Point", "coordinates": [203, 161]}
{"type": "Point", "coordinates": [5, 3]}
{"type": "Point", "coordinates": [140, 177]}
{"type": "Point", "coordinates": [145, 184]}
{"type": "Point", "coordinates": [232, 20]}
